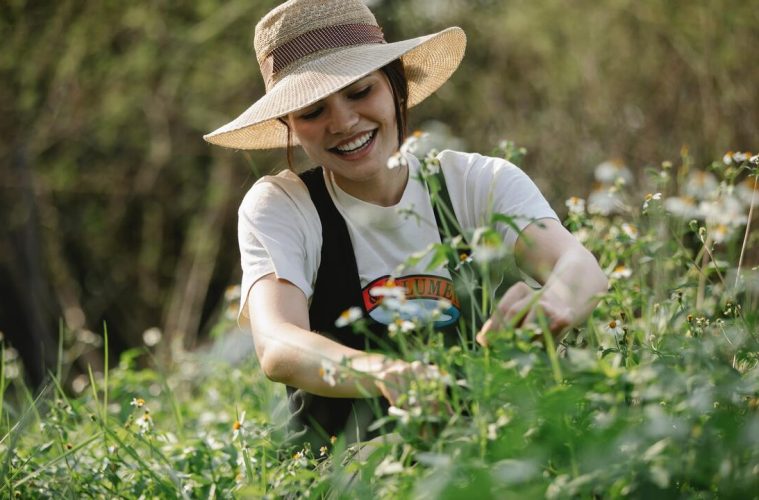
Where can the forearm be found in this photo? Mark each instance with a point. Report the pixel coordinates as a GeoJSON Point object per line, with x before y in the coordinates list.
{"type": "Point", "coordinates": [304, 359]}
{"type": "Point", "coordinates": [577, 281]}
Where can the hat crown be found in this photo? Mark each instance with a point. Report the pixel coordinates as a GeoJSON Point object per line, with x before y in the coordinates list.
{"type": "Point", "coordinates": [297, 17]}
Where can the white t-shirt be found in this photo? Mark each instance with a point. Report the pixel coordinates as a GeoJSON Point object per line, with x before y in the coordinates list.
{"type": "Point", "coordinates": [280, 232]}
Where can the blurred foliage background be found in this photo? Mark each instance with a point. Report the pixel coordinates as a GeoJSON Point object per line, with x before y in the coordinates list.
{"type": "Point", "coordinates": [113, 211]}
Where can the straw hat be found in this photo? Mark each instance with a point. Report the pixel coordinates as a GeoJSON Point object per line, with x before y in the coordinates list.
{"type": "Point", "coordinates": [309, 49]}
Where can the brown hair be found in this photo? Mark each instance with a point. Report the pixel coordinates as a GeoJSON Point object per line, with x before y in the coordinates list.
{"type": "Point", "coordinates": [396, 76]}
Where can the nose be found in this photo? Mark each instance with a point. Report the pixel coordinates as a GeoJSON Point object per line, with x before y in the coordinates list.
{"type": "Point", "coordinates": [343, 118]}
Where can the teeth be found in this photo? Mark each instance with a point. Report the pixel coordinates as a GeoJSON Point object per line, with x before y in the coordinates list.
{"type": "Point", "coordinates": [355, 144]}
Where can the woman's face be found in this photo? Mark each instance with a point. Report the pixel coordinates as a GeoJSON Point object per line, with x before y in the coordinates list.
{"type": "Point", "coordinates": [352, 132]}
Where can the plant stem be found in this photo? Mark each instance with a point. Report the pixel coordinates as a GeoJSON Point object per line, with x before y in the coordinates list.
{"type": "Point", "coordinates": [745, 235]}
{"type": "Point", "coordinates": [702, 276]}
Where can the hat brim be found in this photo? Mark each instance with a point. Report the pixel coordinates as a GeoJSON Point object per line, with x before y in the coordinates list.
{"type": "Point", "coordinates": [428, 60]}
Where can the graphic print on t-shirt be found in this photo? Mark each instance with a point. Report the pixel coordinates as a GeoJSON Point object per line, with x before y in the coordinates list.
{"type": "Point", "coordinates": [426, 297]}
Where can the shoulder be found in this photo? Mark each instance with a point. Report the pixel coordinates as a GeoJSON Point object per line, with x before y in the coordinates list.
{"type": "Point", "coordinates": [473, 170]}
{"type": "Point", "coordinates": [272, 194]}
{"type": "Point", "coordinates": [464, 161]}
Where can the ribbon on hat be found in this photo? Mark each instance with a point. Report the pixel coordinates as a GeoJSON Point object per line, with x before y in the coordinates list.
{"type": "Point", "coordinates": [329, 37]}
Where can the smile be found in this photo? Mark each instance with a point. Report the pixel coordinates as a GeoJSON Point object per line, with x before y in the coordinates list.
{"type": "Point", "coordinates": [356, 145]}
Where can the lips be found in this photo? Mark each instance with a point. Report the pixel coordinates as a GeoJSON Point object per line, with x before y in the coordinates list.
{"type": "Point", "coordinates": [356, 144]}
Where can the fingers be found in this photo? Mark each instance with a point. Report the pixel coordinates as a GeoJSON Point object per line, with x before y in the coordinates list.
{"type": "Point", "coordinates": [522, 306]}
{"type": "Point", "coordinates": [396, 378]}
{"type": "Point", "coordinates": [512, 305]}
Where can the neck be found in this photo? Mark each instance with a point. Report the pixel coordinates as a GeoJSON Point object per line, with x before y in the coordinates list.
{"type": "Point", "coordinates": [384, 189]}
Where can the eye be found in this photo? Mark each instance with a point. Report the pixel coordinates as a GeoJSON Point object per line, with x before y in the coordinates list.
{"type": "Point", "coordinates": [311, 115]}
{"type": "Point", "coordinates": [361, 93]}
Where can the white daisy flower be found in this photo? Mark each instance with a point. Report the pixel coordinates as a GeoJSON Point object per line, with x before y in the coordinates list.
{"type": "Point", "coordinates": [604, 202]}
{"type": "Point", "coordinates": [396, 160]}
{"type": "Point", "coordinates": [683, 207]}
{"type": "Point", "coordinates": [629, 230]}
{"type": "Point", "coordinates": [614, 327]}
{"type": "Point", "coordinates": [349, 316]}
{"type": "Point", "coordinates": [621, 272]}
{"type": "Point", "coordinates": [609, 172]}
{"type": "Point", "coordinates": [401, 326]}
{"type": "Point", "coordinates": [328, 372]}
{"type": "Point", "coordinates": [144, 423]}
{"type": "Point", "coordinates": [389, 290]}
{"type": "Point", "coordinates": [649, 198]}
{"type": "Point", "coordinates": [701, 185]}
{"type": "Point", "coordinates": [237, 427]}
{"type": "Point", "coordinates": [575, 205]}
{"type": "Point", "coordinates": [151, 336]}
{"type": "Point", "coordinates": [739, 157]}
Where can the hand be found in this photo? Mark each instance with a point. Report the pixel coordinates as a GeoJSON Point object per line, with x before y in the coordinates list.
{"type": "Point", "coordinates": [519, 306]}
{"type": "Point", "coordinates": [396, 376]}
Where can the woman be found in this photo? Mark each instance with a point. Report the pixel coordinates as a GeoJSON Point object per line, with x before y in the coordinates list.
{"type": "Point", "coordinates": [316, 245]}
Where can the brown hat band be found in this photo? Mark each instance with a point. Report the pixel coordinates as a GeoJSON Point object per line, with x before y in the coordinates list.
{"type": "Point", "coordinates": [329, 37]}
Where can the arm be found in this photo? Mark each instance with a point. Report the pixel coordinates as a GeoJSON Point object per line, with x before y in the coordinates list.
{"type": "Point", "coordinates": [292, 354]}
{"type": "Point", "coordinates": [569, 273]}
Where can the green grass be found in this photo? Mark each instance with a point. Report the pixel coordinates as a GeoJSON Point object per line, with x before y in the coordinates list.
{"type": "Point", "coordinates": [656, 396]}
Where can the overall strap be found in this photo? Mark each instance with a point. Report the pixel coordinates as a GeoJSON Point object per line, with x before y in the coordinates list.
{"type": "Point", "coordinates": [337, 286]}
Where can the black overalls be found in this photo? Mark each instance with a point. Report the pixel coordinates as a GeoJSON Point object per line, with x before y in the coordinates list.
{"type": "Point", "coordinates": [337, 288]}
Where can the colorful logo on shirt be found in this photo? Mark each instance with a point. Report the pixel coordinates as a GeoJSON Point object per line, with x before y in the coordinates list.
{"type": "Point", "coordinates": [421, 297]}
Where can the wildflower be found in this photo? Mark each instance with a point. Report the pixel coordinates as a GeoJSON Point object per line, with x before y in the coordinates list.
{"type": "Point", "coordinates": [323, 451]}
{"type": "Point", "coordinates": [727, 211]}
{"type": "Point", "coordinates": [232, 293]}
{"type": "Point", "coordinates": [621, 272]}
{"type": "Point", "coordinates": [349, 316]}
{"type": "Point", "coordinates": [746, 190]}
{"type": "Point", "coordinates": [137, 402]}
{"type": "Point", "coordinates": [333, 439]}
{"type": "Point", "coordinates": [464, 259]}
{"type": "Point", "coordinates": [613, 171]}
{"type": "Point", "coordinates": [576, 205]}
{"type": "Point", "coordinates": [237, 426]}
{"type": "Point", "coordinates": [739, 157]}
{"type": "Point", "coordinates": [328, 371]}
{"type": "Point", "coordinates": [431, 164]}
{"type": "Point", "coordinates": [582, 235]}
{"type": "Point", "coordinates": [604, 201]}
{"type": "Point", "coordinates": [79, 384]}
{"type": "Point", "coordinates": [487, 246]}
{"type": "Point", "coordinates": [682, 206]}
{"type": "Point", "coordinates": [649, 198]}
{"type": "Point", "coordinates": [754, 160]}
{"type": "Point", "coordinates": [728, 158]}
{"type": "Point", "coordinates": [145, 423]}
{"type": "Point", "coordinates": [614, 327]}
{"type": "Point", "coordinates": [300, 459]}
{"type": "Point", "coordinates": [444, 304]}
{"type": "Point", "coordinates": [396, 160]}
{"type": "Point", "coordinates": [389, 290]}
{"type": "Point", "coordinates": [720, 233]}
{"type": "Point", "coordinates": [410, 145]}
{"type": "Point", "coordinates": [701, 185]}
{"type": "Point", "coordinates": [400, 326]}
{"type": "Point", "coordinates": [630, 231]}
{"type": "Point", "coordinates": [151, 336]}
